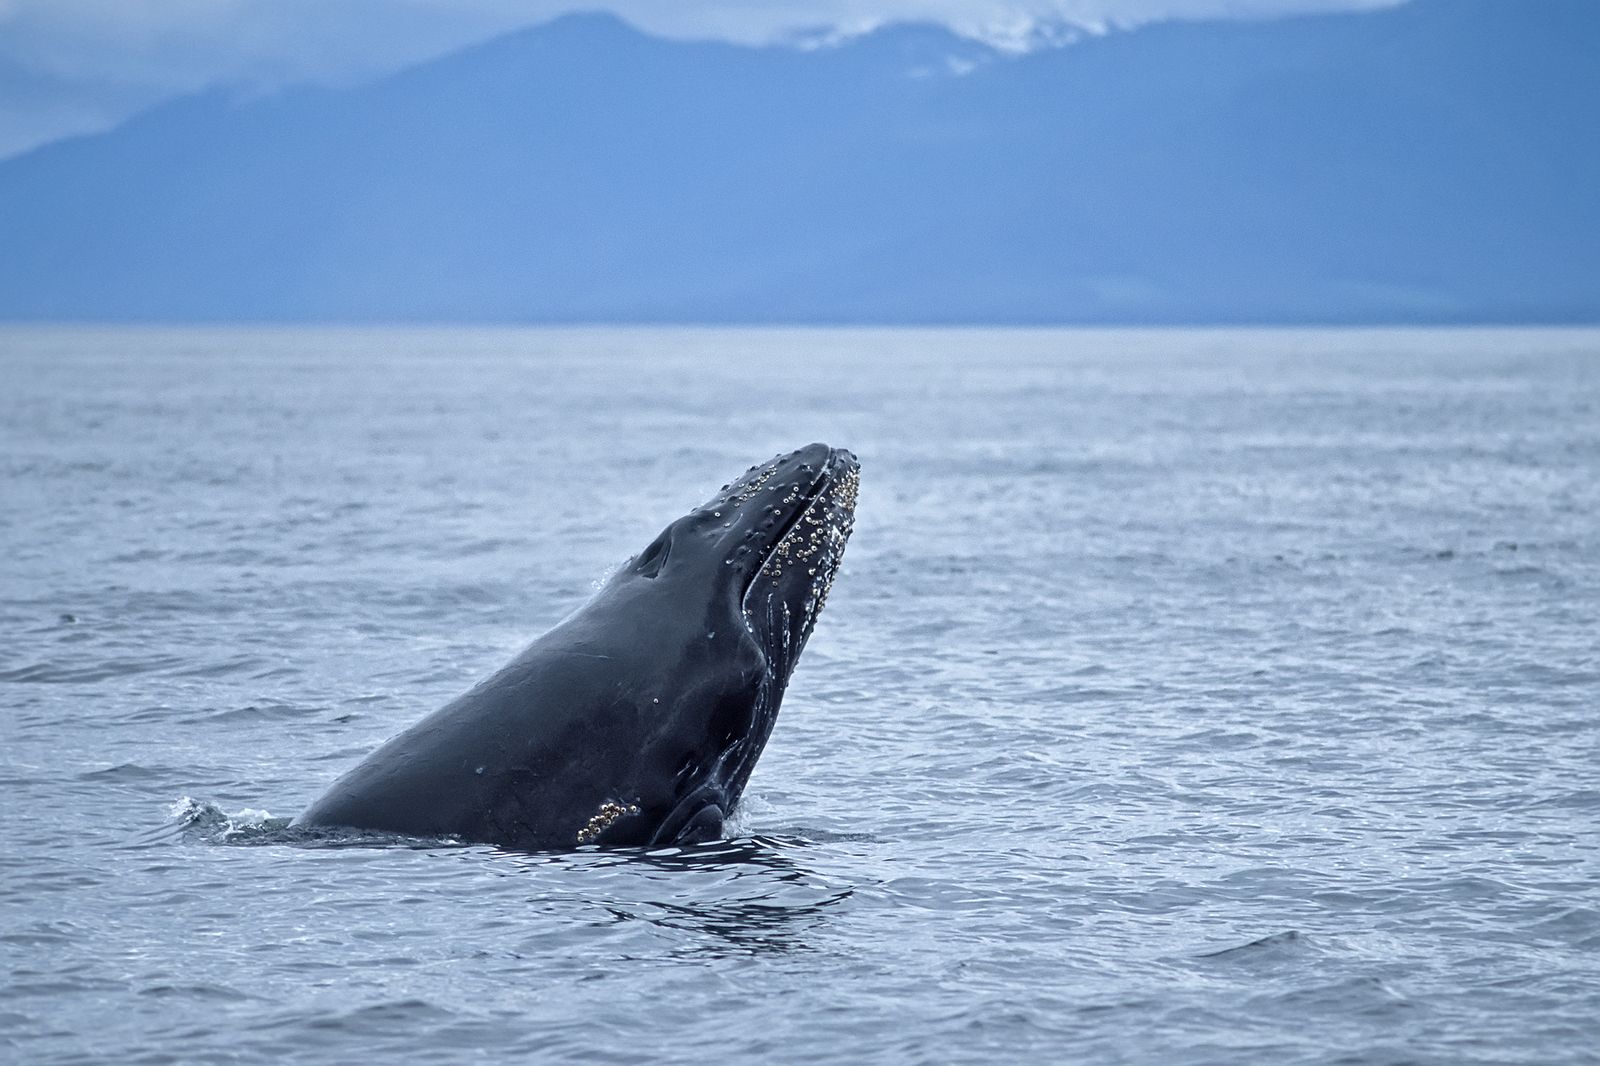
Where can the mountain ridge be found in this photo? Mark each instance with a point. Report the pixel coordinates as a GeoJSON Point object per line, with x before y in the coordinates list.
{"type": "Point", "coordinates": [1426, 163]}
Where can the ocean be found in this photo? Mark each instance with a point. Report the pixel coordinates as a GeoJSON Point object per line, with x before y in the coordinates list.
{"type": "Point", "coordinates": [1208, 696]}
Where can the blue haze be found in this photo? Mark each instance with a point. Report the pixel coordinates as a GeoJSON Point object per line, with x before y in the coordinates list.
{"type": "Point", "coordinates": [1434, 162]}
{"type": "Point", "coordinates": [1184, 697]}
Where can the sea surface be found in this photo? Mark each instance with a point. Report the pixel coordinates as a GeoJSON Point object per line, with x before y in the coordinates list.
{"type": "Point", "coordinates": [1184, 697]}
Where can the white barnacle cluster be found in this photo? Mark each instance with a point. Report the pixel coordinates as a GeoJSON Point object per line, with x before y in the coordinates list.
{"type": "Point", "coordinates": [607, 814]}
{"type": "Point", "coordinates": [816, 542]}
{"type": "Point", "coordinates": [840, 521]}
{"type": "Point", "coordinates": [748, 490]}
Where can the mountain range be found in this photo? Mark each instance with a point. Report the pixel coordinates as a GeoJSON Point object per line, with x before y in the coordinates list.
{"type": "Point", "coordinates": [1436, 162]}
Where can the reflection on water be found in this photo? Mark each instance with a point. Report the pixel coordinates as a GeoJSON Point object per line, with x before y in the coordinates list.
{"type": "Point", "coordinates": [750, 895]}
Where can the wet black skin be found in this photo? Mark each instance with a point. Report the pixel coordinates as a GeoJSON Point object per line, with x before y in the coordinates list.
{"type": "Point", "coordinates": [637, 720]}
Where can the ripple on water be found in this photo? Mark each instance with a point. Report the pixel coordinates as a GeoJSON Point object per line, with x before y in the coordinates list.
{"type": "Point", "coordinates": [78, 672]}
{"type": "Point", "coordinates": [1218, 697]}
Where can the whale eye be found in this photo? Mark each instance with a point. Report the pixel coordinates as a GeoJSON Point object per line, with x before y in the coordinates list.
{"type": "Point", "coordinates": [653, 558]}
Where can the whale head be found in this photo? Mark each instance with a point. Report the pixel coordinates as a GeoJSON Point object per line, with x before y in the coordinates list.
{"type": "Point", "coordinates": [734, 590]}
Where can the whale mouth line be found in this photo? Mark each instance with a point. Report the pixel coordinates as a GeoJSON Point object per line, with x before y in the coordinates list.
{"type": "Point", "coordinates": [813, 495]}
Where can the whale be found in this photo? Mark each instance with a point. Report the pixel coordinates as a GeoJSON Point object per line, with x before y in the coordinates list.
{"type": "Point", "coordinates": [637, 720]}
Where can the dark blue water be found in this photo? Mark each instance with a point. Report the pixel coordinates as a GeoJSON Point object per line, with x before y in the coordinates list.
{"type": "Point", "coordinates": [1184, 697]}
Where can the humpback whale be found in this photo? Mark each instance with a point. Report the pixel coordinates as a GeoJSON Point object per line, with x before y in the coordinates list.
{"type": "Point", "coordinates": [638, 719]}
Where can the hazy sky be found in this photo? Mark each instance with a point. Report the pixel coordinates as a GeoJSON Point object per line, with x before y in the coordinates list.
{"type": "Point", "coordinates": [69, 66]}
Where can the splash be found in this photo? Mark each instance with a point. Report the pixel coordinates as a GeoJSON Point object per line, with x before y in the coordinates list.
{"type": "Point", "coordinates": [203, 820]}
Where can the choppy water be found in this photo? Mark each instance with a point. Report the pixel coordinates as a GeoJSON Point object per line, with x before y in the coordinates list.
{"type": "Point", "coordinates": [1185, 697]}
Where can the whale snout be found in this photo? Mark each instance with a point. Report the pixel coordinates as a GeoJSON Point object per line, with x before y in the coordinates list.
{"type": "Point", "coordinates": [820, 458]}
{"type": "Point", "coordinates": [795, 567]}
{"type": "Point", "coordinates": [754, 515]}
